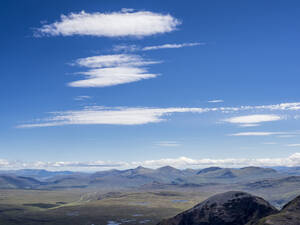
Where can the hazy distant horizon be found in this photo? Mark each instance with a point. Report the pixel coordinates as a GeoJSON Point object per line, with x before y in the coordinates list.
{"type": "Point", "coordinates": [179, 163]}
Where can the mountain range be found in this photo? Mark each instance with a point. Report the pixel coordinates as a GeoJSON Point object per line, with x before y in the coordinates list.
{"type": "Point", "coordinates": [144, 177]}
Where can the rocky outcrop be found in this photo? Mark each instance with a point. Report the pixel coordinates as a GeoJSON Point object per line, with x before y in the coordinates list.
{"type": "Point", "coordinates": [230, 208]}
{"type": "Point", "coordinates": [289, 215]}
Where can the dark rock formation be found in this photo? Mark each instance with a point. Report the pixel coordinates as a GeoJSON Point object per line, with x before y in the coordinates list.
{"type": "Point", "coordinates": [230, 208]}
{"type": "Point", "coordinates": [289, 215]}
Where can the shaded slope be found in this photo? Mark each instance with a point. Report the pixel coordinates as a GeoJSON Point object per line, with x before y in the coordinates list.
{"type": "Point", "coordinates": [289, 215]}
{"type": "Point", "coordinates": [18, 182]}
{"type": "Point", "coordinates": [230, 208]}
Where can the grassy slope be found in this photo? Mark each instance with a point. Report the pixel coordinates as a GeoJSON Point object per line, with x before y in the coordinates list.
{"type": "Point", "coordinates": [84, 208]}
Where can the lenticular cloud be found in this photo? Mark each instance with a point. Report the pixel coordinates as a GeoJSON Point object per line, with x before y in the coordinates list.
{"type": "Point", "coordinates": [116, 24]}
{"type": "Point", "coordinates": [110, 70]}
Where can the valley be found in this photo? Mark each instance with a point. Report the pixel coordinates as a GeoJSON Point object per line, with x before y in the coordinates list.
{"type": "Point", "coordinates": [134, 196]}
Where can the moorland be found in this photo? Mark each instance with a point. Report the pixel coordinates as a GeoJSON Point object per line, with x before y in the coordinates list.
{"type": "Point", "coordinates": [134, 196]}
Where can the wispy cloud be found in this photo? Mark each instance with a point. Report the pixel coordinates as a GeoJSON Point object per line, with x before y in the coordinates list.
{"type": "Point", "coordinates": [180, 162]}
{"type": "Point", "coordinates": [267, 133]}
{"type": "Point", "coordinates": [164, 46]}
{"type": "Point", "coordinates": [287, 135]}
{"type": "Point", "coordinates": [293, 145]}
{"type": "Point", "coordinates": [110, 70]}
{"type": "Point", "coordinates": [168, 144]}
{"type": "Point", "coordinates": [113, 116]}
{"type": "Point", "coordinates": [253, 120]}
{"type": "Point", "coordinates": [249, 125]}
{"type": "Point", "coordinates": [257, 133]}
{"type": "Point", "coordinates": [134, 48]}
{"type": "Point", "coordinates": [139, 115]}
{"type": "Point", "coordinates": [283, 106]}
{"type": "Point", "coordinates": [115, 60]}
{"type": "Point", "coordinates": [216, 101]}
{"type": "Point", "coordinates": [82, 97]}
{"type": "Point", "coordinates": [115, 24]}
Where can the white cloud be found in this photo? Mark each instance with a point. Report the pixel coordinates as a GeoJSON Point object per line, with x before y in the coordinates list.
{"type": "Point", "coordinates": [112, 76]}
{"type": "Point", "coordinates": [180, 162]}
{"type": "Point", "coordinates": [113, 116]}
{"type": "Point", "coordinates": [60, 165]}
{"type": "Point", "coordinates": [283, 106]}
{"type": "Point", "coordinates": [168, 144]}
{"type": "Point", "coordinates": [156, 47]}
{"type": "Point", "coordinates": [249, 125]}
{"type": "Point", "coordinates": [293, 145]}
{"type": "Point", "coordinates": [110, 70]}
{"type": "Point", "coordinates": [133, 48]}
{"type": "Point", "coordinates": [253, 120]}
{"type": "Point", "coordinates": [259, 133]}
{"type": "Point", "coordinates": [138, 116]}
{"type": "Point", "coordinates": [184, 162]}
{"type": "Point", "coordinates": [255, 133]}
{"type": "Point", "coordinates": [216, 101]}
{"type": "Point", "coordinates": [116, 60]}
{"type": "Point", "coordinates": [287, 136]}
{"type": "Point", "coordinates": [115, 24]}
{"type": "Point", "coordinates": [82, 97]}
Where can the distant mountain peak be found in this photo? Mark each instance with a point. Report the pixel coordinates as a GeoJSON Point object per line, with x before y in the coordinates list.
{"type": "Point", "coordinates": [209, 169]}
{"type": "Point", "coordinates": [166, 168]}
{"type": "Point", "coordinates": [141, 168]}
{"type": "Point", "coordinates": [258, 169]}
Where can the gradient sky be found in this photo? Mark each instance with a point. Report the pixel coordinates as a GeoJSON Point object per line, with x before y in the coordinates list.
{"type": "Point", "coordinates": [168, 79]}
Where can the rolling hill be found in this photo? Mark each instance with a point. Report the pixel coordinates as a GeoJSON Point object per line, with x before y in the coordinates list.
{"type": "Point", "coordinates": [254, 177]}
{"type": "Point", "coordinates": [230, 208]}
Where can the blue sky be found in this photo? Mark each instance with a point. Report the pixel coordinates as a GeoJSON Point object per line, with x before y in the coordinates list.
{"type": "Point", "coordinates": [126, 83]}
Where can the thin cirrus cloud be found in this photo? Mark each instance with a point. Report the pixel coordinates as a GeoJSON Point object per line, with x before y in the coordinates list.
{"type": "Point", "coordinates": [258, 133]}
{"type": "Point", "coordinates": [82, 98]}
{"type": "Point", "coordinates": [110, 70]}
{"type": "Point", "coordinates": [140, 116]}
{"type": "Point", "coordinates": [133, 48]}
{"type": "Point", "coordinates": [168, 144]}
{"type": "Point", "coordinates": [216, 101]}
{"type": "Point", "coordinates": [249, 125]}
{"type": "Point", "coordinates": [115, 24]}
{"type": "Point", "coordinates": [115, 60]}
{"type": "Point", "coordinates": [293, 145]}
{"type": "Point", "coordinates": [112, 116]}
{"type": "Point", "coordinates": [253, 120]}
{"type": "Point", "coordinates": [180, 162]}
{"type": "Point", "coordinates": [166, 46]}
{"type": "Point", "coordinates": [267, 133]}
